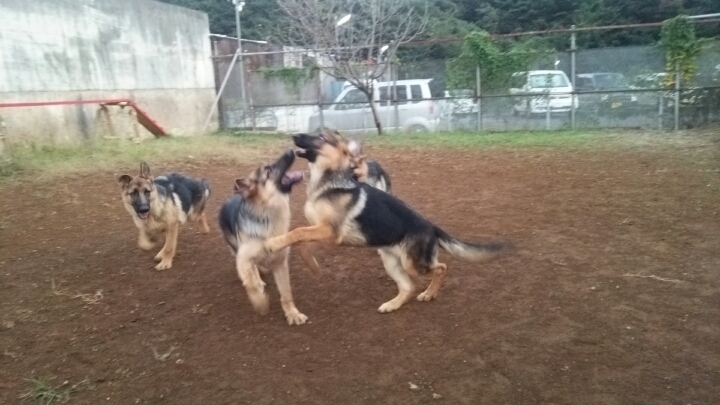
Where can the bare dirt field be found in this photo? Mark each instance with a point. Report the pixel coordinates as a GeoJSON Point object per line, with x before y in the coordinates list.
{"type": "Point", "coordinates": [613, 296]}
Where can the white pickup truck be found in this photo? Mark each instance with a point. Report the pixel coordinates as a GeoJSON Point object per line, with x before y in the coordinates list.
{"type": "Point", "coordinates": [350, 112]}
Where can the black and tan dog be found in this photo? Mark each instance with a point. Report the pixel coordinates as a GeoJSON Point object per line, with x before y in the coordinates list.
{"type": "Point", "coordinates": [367, 170]}
{"type": "Point", "coordinates": [346, 212]}
{"type": "Point", "coordinates": [159, 206]}
{"type": "Point", "coordinates": [260, 209]}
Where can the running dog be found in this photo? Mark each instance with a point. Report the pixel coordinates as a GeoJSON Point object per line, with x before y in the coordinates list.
{"type": "Point", "coordinates": [260, 209]}
{"type": "Point", "coordinates": [159, 206]}
{"type": "Point", "coordinates": [367, 170]}
{"type": "Point", "coordinates": [345, 212]}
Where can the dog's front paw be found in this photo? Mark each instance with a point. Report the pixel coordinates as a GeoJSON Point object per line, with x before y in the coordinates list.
{"type": "Point", "coordinates": [425, 296]}
{"type": "Point", "coordinates": [145, 244]}
{"type": "Point", "coordinates": [164, 264]}
{"type": "Point", "coordinates": [296, 318]}
{"type": "Point", "coordinates": [389, 306]}
{"type": "Point", "coordinates": [260, 303]}
{"type": "Point", "coordinates": [158, 257]}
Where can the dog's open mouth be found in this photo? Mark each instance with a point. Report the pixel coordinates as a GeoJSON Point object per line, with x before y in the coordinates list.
{"type": "Point", "coordinates": [142, 215]}
{"type": "Point", "coordinates": [301, 153]}
{"type": "Point", "coordinates": [290, 178]}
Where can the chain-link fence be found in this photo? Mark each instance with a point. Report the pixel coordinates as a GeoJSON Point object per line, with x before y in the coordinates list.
{"type": "Point", "coordinates": [619, 87]}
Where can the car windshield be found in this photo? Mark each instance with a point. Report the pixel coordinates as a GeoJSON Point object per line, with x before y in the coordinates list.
{"type": "Point", "coordinates": [611, 81]}
{"type": "Point", "coordinates": [547, 80]}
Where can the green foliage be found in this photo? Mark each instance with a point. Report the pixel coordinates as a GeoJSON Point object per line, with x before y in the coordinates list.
{"type": "Point", "coordinates": [293, 78]}
{"type": "Point", "coordinates": [443, 23]}
{"type": "Point", "coordinates": [560, 140]}
{"type": "Point", "coordinates": [259, 17]}
{"type": "Point", "coordinates": [44, 393]}
{"type": "Point", "coordinates": [497, 61]}
{"type": "Point", "coordinates": [681, 47]}
{"type": "Point", "coordinates": [455, 18]}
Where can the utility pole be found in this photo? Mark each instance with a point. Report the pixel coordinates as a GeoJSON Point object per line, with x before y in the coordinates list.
{"type": "Point", "coordinates": [238, 8]}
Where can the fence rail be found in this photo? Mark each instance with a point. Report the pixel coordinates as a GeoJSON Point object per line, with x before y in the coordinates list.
{"type": "Point", "coordinates": [645, 95]}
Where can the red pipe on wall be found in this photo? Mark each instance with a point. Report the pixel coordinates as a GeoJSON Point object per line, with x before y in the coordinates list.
{"type": "Point", "coordinates": [142, 117]}
{"type": "Point", "coordinates": [43, 103]}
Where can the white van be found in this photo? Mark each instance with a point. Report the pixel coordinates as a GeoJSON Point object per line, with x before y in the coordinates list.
{"type": "Point", "coordinates": [351, 112]}
{"type": "Point", "coordinates": [552, 85]}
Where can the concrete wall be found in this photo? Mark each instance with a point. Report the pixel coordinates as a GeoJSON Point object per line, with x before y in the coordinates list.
{"type": "Point", "coordinates": [154, 53]}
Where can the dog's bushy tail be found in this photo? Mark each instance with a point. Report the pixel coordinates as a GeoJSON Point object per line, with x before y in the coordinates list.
{"type": "Point", "coordinates": [206, 186]}
{"type": "Point", "coordinates": [473, 252]}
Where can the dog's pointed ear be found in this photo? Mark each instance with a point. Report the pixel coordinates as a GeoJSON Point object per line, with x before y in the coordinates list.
{"type": "Point", "coordinates": [124, 180]}
{"type": "Point", "coordinates": [144, 170]}
{"type": "Point", "coordinates": [245, 188]}
{"type": "Point", "coordinates": [354, 147]}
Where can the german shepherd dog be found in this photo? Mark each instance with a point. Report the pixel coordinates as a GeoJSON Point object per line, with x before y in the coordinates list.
{"type": "Point", "coordinates": [343, 211]}
{"type": "Point", "coordinates": [259, 210]}
{"type": "Point", "coordinates": [367, 170]}
{"type": "Point", "coordinates": [159, 206]}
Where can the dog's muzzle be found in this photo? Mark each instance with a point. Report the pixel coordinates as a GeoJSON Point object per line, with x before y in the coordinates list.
{"type": "Point", "coordinates": [142, 212]}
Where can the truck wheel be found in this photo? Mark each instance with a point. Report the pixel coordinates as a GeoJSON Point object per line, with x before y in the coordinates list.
{"type": "Point", "coordinates": [417, 129]}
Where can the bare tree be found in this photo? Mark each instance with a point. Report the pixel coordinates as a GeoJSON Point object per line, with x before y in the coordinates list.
{"type": "Point", "coordinates": [355, 40]}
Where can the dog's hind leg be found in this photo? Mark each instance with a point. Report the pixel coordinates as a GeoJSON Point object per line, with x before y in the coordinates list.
{"type": "Point", "coordinates": [307, 255]}
{"type": "Point", "coordinates": [203, 222]}
{"type": "Point", "coordinates": [253, 283]}
{"type": "Point", "coordinates": [282, 279]}
{"type": "Point", "coordinates": [395, 269]}
{"type": "Point", "coordinates": [167, 253]}
{"type": "Point", "coordinates": [439, 272]}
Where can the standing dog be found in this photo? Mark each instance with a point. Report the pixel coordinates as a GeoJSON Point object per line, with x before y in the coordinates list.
{"type": "Point", "coordinates": [159, 206]}
{"type": "Point", "coordinates": [260, 210]}
{"type": "Point", "coordinates": [345, 212]}
{"type": "Point", "coordinates": [367, 170]}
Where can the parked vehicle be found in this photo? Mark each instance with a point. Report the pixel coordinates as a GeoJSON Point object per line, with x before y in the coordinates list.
{"type": "Point", "coordinates": [351, 112]}
{"type": "Point", "coordinates": [622, 104]}
{"type": "Point", "coordinates": [688, 97]}
{"type": "Point", "coordinates": [460, 103]}
{"type": "Point", "coordinates": [553, 89]}
{"type": "Point", "coordinates": [459, 110]}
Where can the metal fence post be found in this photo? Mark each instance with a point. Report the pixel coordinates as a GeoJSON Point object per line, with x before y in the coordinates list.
{"type": "Point", "coordinates": [2, 136]}
{"type": "Point", "coordinates": [573, 50]}
{"type": "Point", "coordinates": [677, 95]}
{"type": "Point", "coordinates": [222, 89]}
{"type": "Point", "coordinates": [387, 99]}
{"type": "Point", "coordinates": [395, 100]}
{"type": "Point", "coordinates": [661, 102]}
{"type": "Point", "coordinates": [364, 115]}
{"type": "Point", "coordinates": [238, 8]}
{"type": "Point", "coordinates": [320, 99]}
{"type": "Point", "coordinates": [547, 110]}
{"type": "Point", "coordinates": [478, 95]}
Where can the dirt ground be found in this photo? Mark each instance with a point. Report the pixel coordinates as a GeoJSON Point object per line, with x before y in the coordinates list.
{"type": "Point", "coordinates": [613, 296]}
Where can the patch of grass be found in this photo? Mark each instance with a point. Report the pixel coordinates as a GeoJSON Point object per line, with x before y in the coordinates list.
{"type": "Point", "coordinates": [111, 154]}
{"type": "Point", "coordinates": [104, 155]}
{"type": "Point", "coordinates": [504, 139]}
{"type": "Point", "coordinates": [45, 393]}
